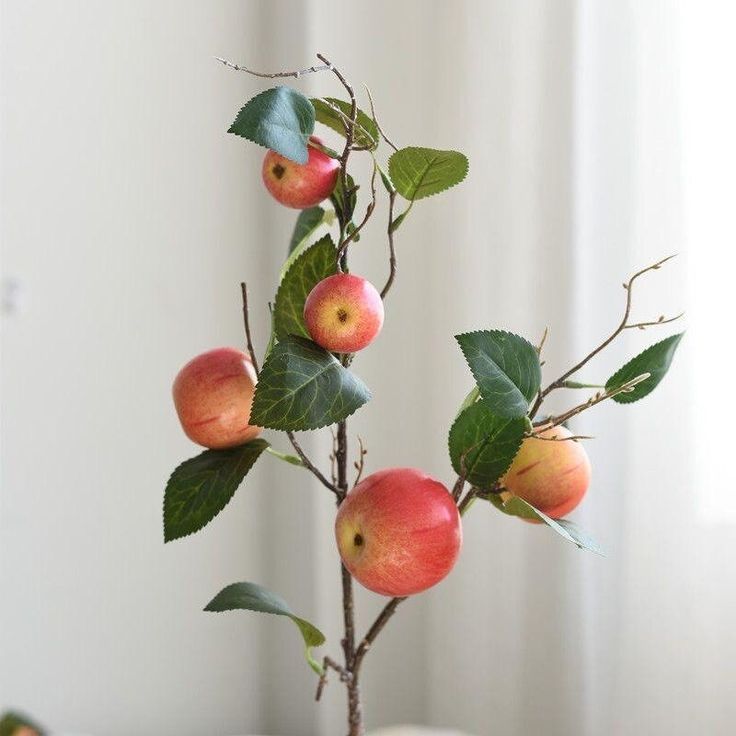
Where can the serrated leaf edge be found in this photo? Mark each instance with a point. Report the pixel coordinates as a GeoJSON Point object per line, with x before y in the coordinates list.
{"type": "Point", "coordinates": [437, 150]}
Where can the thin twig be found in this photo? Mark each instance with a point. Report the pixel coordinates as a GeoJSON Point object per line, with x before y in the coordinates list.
{"type": "Point", "coordinates": [543, 340]}
{"type": "Point", "coordinates": [592, 401]}
{"type": "Point", "coordinates": [571, 438]}
{"type": "Point", "coordinates": [457, 489]}
{"type": "Point", "coordinates": [391, 248]}
{"type": "Point", "coordinates": [623, 325]}
{"type": "Point", "coordinates": [275, 75]}
{"type": "Point", "coordinates": [246, 322]}
{"type": "Point", "coordinates": [470, 496]}
{"type": "Point", "coordinates": [327, 664]}
{"type": "Point", "coordinates": [366, 642]}
{"type": "Point", "coordinates": [375, 120]}
{"type": "Point", "coordinates": [360, 463]}
{"type": "Point", "coordinates": [310, 466]}
{"type": "Point", "coordinates": [368, 212]}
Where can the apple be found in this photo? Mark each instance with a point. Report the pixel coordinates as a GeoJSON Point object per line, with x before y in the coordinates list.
{"type": "Point", "coordinates": [398, 532]}
{"type": "Point", "coordinates": [213, 394]}
{"type": "Point", "coordinates": [344, 313]}
{"type": "Point", "coordinates": [300, 185]}
{"type": "Point", "coordinates": [552, 475]}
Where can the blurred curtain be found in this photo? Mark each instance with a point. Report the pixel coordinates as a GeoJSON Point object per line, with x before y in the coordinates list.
{"type": "Point", "coordinates": [569, 111]}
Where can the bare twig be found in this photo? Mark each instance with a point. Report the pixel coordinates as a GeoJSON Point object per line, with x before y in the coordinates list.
{"type": "Point", "coordinates": [623, 325]}
{"type": "Point", "coordinates": [327, 664]}
{"type": "Point", "coordinates": [457, 489]}
{"type": "Point", "coordinates": [275, 75]}
{"type": "Point", "coordinates": [360, 463]}
{"type": "Point", "coordinates": [246, 322]}
{"type": "Point", "coordinates": [368, 212]}
{"type": "Point", "coordinates": [543, 340]}
{"type": "Point", "coordinates": [571, 438]}
{"type": "Point", "coordinates": [365, 644]}
{"type": "Point", "coordinates": [375, 120]}
{"type": "Point", "coordinates": [310, 466]}
{"type": "Point", "coordinates": [391, 248]}
{"type": "Point", "coordinates": [470, 496]}
{"type": "Point", "coordinates": [592, 401]}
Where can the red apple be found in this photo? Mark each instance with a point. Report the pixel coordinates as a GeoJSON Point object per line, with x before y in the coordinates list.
{"type": "Point", "coordinates": [344, 313]}
{"type": "Point", "coordinates": [300, 185]}
{"type": "Point", "coordinates": [398, 532]}
{"type": "Point", "coordinates": [213, 394]}
{"type": "Point", "coordinates": [552, 475]}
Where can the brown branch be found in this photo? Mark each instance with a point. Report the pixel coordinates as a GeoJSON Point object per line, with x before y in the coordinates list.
{"type": "Point", "coordinates": [360, 463]}
{"type": "Point", "coordinates": [391, 248]}
{"type": "Point", "coordinates": [246, 323]}
{"type": "Point", "coordinates": [375, 120]}
{"type": "Point", "coordinates": [310, 466]}
{"type": "Point", "coordinates": [366, 642]}
{"type": "Point", "coordinates": [470, 496]}
{"type": "Point", "coordinates": [329, 663]}
{"type": "Point", "coordinates": [623, 325]}
{"type": "Point", "coordinates": [368, 212]}
{"type": "Point", "coordinates": [592, 401]}
{"type": "Point", "coordinates": [275, 75]}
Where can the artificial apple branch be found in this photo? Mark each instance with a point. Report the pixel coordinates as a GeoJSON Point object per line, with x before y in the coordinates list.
{"type": "Point", "coordinates": [398, 531]}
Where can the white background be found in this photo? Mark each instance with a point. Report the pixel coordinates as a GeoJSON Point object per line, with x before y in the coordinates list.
{"type": "Point", "coordinates": [127, 219]}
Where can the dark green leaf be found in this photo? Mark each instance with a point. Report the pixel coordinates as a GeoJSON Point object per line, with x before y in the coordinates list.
{"type": "Point", "coordinates": [302, 386]}
{"type": "Point", "coordinates": [314, 264]}
{"type": "Point", "coordinates": [421, 172]}
{"type": "Point", "coordinates": [307, 222]}
{"type": "Point", "coordinates": [655, 360]}
{"type": "Point", "coordinates": [252, 597]}
{"type": "Point", "coordinates": [506, 369]}
{"type": "Point", "coordinates": [344, 205]}
{"type": "Point", "coordinates": [201, 487]}
{"type": "Point", "coordinates": [365, 132]}
{"type": "Point", "coordinates": [281, 119]}
{"type": "Point", "coordinates": [515, 506]}
{"type": "Point", "coordinates": [483, 445]}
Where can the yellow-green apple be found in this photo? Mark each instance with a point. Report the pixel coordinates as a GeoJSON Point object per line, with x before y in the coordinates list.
{"type": "Point", "coordinates": [398, 532]}
{"type": "Point", "coordinates": [213, 394]}
{"type": "Point", "coordinates": [552, 475]}
{"type": "Point", "coordinates": [300, 185]}
{"type": "Point", "coordinates": [344, 313]}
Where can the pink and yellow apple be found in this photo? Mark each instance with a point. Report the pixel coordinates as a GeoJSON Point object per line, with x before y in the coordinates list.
{"type": "Point", "coordinates": [213, 394]}
{"type": "Point", "coordinates": [551, 475]}
{"type": "Point", "coordinates": [300, 185]}
{"type": "Point", "coordinates": [344, 313]}
{"type": "Point", "coordinates": [398, 532]}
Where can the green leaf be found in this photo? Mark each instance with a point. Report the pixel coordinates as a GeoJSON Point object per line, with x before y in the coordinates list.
{"type": "Point", "coordinates": [483, 445]}
{"type": "Point", "coordinates": [422, 172]}
{"type": "Point", "coordinates": [344, 205]}
{"type": "Point", "coordinates": [506, 369]}
{"type": "Point", "coordinates": [302, 386]}
{"type": "Point", "coordinates": [314, 264]}
{"type": "Point", "coordinates": [307, 222]}
{"type": "Point", "coordinates": [252, 597]}
{"type": "Point", "coordinates": [655, 360]}
{"type": "Point", "coordinates": [281, 119]}
{"type": "Point", "coordinates": [201, 487]}
{"type": "Point", "coordinates": [365, 132]}
{"type": "Point", "coordinates": [515, 506]}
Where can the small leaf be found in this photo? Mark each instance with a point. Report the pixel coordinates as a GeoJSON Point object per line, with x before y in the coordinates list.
{"type": "Point", "coordinates": [307, 222]}
{"type": "Point", "coordinates": [314, 264]}
{"type": "Point", "coordinates": [655, 360]}
{"type": "Point", "coordinates": [515, 506]}
{"type": "Point", "coordinates": [506, 369]}
{"type": "Point", "coordinates": [302, 386]}
{"type": "Point", "coordinates": [281, 119]}
{"type": "Point", "coordinates": [483, 445]}
{"type": "Point", "coordinates": [421, 172]}
{"type": "Point", "coordinates": [365, 132]}
{"type": "Point", "coordinates": [201, 487]}
{"type": "Point", "coordinates": [344, 205]}
{"type": "Point", "coordinates": [252, 597]}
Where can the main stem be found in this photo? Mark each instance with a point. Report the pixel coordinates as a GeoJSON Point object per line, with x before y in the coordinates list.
{"type": "Point", "coordinates": [355, 712]}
